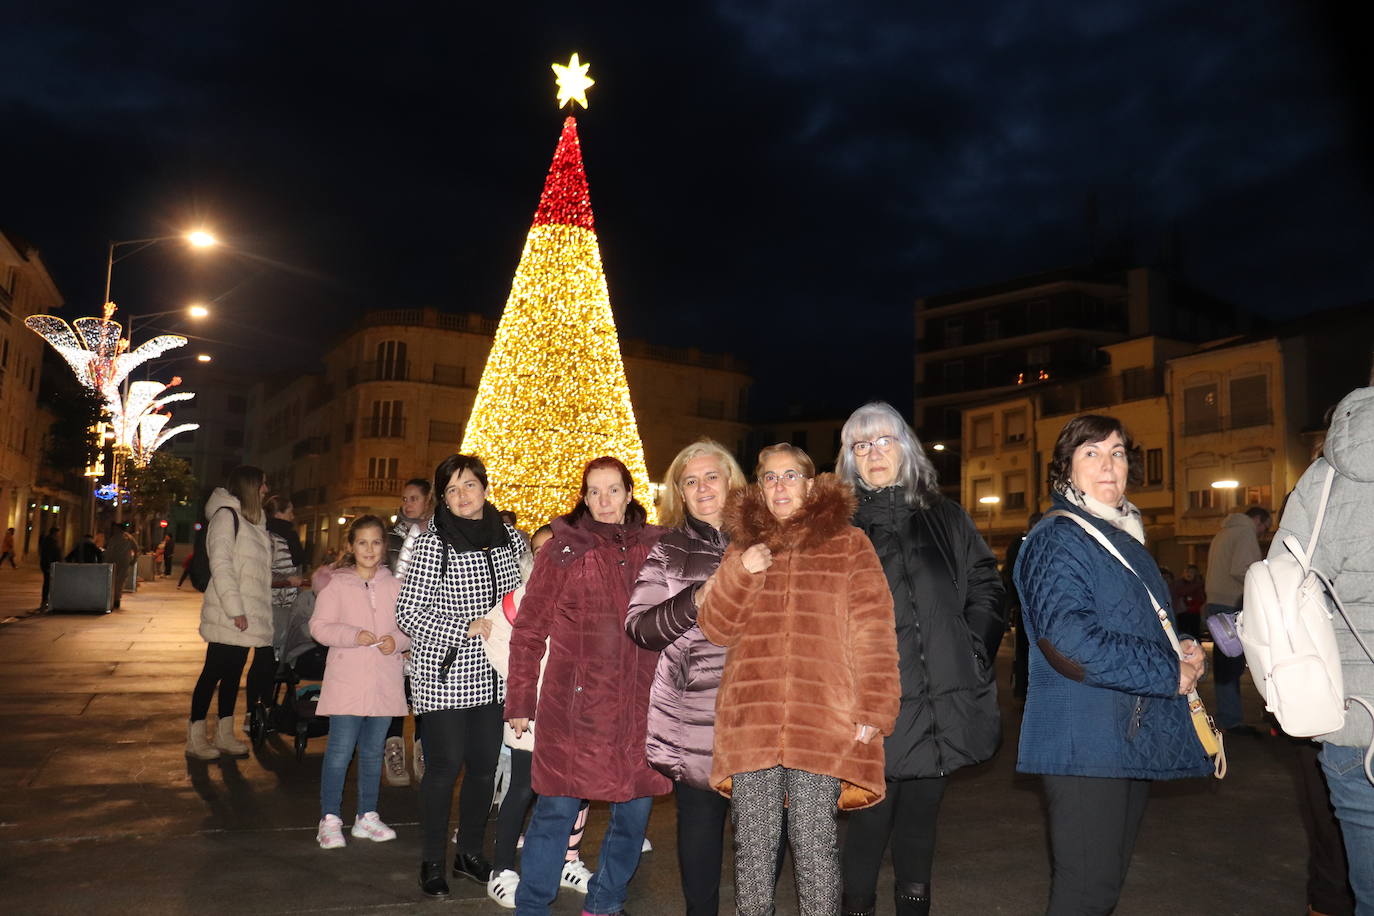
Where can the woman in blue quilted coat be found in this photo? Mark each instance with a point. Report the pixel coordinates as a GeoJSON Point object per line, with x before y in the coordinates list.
{"type": "Point", "coordinates": [1107, 711]}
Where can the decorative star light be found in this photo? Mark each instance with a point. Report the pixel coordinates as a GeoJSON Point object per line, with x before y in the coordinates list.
{"type": "Point", "coordinates": [573, 82]}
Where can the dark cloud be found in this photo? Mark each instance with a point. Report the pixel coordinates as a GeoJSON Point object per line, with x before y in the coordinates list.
{"type": "Point", "coordinates": [779, 179]}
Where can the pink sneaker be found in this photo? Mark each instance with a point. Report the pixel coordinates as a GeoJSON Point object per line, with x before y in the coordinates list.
{"type": "Point", "coordinates": [330, 834]}
{"type": "Point", "coordinates": [370, 827]}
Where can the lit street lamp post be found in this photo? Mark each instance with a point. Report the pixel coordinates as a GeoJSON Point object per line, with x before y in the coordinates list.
{"type": "Point", "coordinates": [991, 502]}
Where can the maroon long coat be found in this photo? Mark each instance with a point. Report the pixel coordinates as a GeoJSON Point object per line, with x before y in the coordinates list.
{"type": "Point", "coordinates": [592, 710]}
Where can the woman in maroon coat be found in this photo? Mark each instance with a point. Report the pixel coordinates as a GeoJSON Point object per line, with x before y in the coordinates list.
{"type": "Point", "coordinates": [594, 702]}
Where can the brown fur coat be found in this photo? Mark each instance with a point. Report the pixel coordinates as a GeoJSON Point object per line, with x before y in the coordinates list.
{"type": "Point", "coordinates": [811, 645]}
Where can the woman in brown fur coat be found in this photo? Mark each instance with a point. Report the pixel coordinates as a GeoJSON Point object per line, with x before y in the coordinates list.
{"type": "Point", "coordinates": [802, 606]}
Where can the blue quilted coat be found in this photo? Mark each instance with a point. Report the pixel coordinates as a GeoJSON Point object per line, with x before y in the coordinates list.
{"type": "Point", "coordinates": [1103, 694]}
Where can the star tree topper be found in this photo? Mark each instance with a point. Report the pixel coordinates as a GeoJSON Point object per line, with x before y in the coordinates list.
{"type": "Point", "coordinates": [573, 82]}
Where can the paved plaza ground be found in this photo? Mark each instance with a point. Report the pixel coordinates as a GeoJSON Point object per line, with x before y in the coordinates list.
{"type": "Point", "coordinates": [100, 812]}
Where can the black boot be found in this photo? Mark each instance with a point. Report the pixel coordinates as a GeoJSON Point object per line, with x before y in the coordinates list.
{"type": "Point", "coordinates": [850, 906]}
{"type": "Point", "coordinates": [432, 883]}
{"type": "Point", "coordinates": [473, 867]}
{"type": "Point", "coordinates": [913, 899]}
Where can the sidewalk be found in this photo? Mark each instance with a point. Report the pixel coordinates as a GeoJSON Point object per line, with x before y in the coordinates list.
{"type": "Point", "coordinates": [100, 812]}
{"type": "Point", "coordinates": [21, 591]}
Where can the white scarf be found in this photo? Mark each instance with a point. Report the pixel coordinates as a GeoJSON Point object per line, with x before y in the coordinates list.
{"type": "Point", "coordinates": [1125, 516]}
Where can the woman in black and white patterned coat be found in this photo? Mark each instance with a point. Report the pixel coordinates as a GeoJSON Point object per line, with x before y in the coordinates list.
{"type": "Point", "coordinates": [465, 563]}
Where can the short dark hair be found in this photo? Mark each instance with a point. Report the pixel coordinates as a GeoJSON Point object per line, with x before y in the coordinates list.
{"type": "Point", "coordinates": [277, 504]}
{"type": "Point", "coordinates": [457, 464]}
{"type": "Point", "coordinates": [1090, 427]}
{"type": "Point", "coordinates": [1260, 513]}
{"type": "Point", "coordinates": [421, 484]}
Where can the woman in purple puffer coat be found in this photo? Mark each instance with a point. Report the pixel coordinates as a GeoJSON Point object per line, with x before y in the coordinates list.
{"type": "Point", "coordinates": [682, 702]}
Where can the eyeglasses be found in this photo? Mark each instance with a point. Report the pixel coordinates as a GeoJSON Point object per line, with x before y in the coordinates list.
{"type": "Point", "coordinates": [771, 478]}
{"type": "Point", "coordinates": [882, 444]}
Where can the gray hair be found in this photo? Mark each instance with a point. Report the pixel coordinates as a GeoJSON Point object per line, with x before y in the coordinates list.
{"type": "Point", "coordinates": [915, 471]}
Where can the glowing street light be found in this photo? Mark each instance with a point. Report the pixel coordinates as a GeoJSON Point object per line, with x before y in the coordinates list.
{"type": "Point", "coordinates": [203, 357]}
{"type": "Point", "coordinates": [198, 311]}
{"type": "Point", "coordinates": [939, 446]}
{"type": "Point", "coordinates": [1225, 484]}
{"type": "Point", "coordinates": [201, 239]}
{"type": "Point", "coordinates": [990, 502]}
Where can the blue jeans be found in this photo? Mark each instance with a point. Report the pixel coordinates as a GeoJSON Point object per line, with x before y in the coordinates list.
{"type": "Point", "coordinates": [1352, 795]}
{"type": "Point", "coordinates": [546, 844]}
{"type": "Point", "coordinates": [367, 734]}
{"type": "Point", "coordinates": [1226, 675]}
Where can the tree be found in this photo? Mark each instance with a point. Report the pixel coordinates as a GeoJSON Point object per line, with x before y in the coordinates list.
{"type": "Point", "coordinates": [553, 394]}
{"type": "Point", "coordinates": [153, 490]}
{"type": "Point", "coordinates": [73, 443]}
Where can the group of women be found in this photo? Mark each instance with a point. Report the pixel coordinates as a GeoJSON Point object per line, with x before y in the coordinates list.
{"type": "Point", "coordinates": [787, 648]}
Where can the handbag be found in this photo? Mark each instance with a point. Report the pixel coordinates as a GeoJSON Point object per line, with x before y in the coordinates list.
{"type": "Point", "coordinates": [1225, 637]}
{"type": "Point", "coordinates": [1207, 732]}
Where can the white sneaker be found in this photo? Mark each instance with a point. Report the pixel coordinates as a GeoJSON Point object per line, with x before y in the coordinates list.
{"type": "Point", "coordinates": [330, 834]}
{"type": "Point", "coordinates": [575, 876]}
{"type": "Point", "coordinates": [501, 888]}
{"type": "Point", "coordinates": [370, 827]}
{"type": "Point", "coordinates": [647, 847]}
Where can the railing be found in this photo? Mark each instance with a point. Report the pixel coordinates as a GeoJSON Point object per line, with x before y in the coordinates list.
{"type": "Point", "coordinates": [689, 356]}
{"type": "Point", "coordinates": [1201, 426]}
{"type": "Point", "coordinates": [385, 371]}
{"type": "Point", "coordinates": [383, 428]}
{"type": "Point", "coordinates": [1101, 391]}
{"type": "Point", "coordinates": [376, 486]}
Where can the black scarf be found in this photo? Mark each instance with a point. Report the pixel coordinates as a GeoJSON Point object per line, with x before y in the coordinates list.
{"type": "Point", "coordinates": [466, 534]}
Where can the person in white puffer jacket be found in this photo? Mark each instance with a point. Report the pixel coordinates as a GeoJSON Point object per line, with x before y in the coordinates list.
{"type": "Point", "coordinates": [236, 614]}
{"type": "Point", "coordinates": [1345, 553]}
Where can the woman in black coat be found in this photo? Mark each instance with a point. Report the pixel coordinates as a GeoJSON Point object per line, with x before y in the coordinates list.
{"type": "Point", "coordinates": [950, 609]}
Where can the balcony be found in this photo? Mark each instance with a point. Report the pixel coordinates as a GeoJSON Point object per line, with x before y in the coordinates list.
{"type": "Point", "coordinates": [383, 428]}
{"type": "Point", "coordinates": [376, 486]}
{"type": "Point", "coordinates": [374, 371]}
{"type": "Point", "coordinates": [1248, 419]}
{"type": "Point", "coordinates": [1101, 392]}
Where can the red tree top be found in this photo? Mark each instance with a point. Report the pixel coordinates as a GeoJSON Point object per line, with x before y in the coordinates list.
{"type": "Point", "coordinates": [566, 200]}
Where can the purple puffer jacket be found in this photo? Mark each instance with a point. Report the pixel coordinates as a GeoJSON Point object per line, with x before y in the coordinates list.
{"type": "Point", "coordinates": [663, 617]}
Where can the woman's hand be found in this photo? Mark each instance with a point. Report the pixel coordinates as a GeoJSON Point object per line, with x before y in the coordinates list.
{"type": "Point", "coordinates": [366, 638]}
{"type": "Point", "coordinates": [757, 558]}
{"type": "Point", "coordinates": [1189, 670]}
{"type": "Point", "coordinates": [241, 621]}
{"type": "Point", "coordinates": [864, 733]}
{"type": "Point", "coordinates": [294, 581]}
{"type": "Point", "coordinates": [704, 589]}
{"type": "Point", "coordinates": [519, 725]}
{"type": "Point", "coordinates": [387, 645]}
{"type": "Point", "coordinates": [480, 627]}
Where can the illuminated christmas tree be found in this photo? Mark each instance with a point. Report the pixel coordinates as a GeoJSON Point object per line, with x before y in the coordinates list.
{"type": "Point", "coordinates": [553, 394]}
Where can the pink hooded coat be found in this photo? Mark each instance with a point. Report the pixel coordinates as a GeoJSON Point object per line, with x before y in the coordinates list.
{"type": "Point", "coordinates": [360, 680]}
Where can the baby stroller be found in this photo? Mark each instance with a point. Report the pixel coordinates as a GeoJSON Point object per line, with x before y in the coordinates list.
{"type": "Point", "coordinates": [296, 689]}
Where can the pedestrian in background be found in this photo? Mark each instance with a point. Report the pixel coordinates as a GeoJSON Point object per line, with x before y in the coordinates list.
{"type": "Point", "coordinates": [85, 552]}
{"type": "Point", "coordinates": [7, 549]}
{"type": "Point", "coordinates": [1345, 554]}
{"type": "Point", "coordinates": [459, 569]}
{"type": "Point", "coordinates": [288, 565]}
{"type": "Point", "coordinates": [121, 550]}
{"type": "Point", "coordinates": [594, 703]}
{"type": "Point", "coordinates": [412, 520]}
{"type": "Point", "coordinates": [50, 552]}
{"type": "Point", "coordinates": [355, 616]}
{"type": "Point", "coordinates": [1232, 551]}
{"type": "Point", "coordinates": [236, 612]}
{"type": "Point", "coordinates": [1107, 711]}
{"type": "Point", "coordinates": [949, 606]}
{"type": "Point", "coordinates": [811, 682]}
{"type": "Point", "coordinates": [1188, 596]}
{"type": "Point", "coordinates": [682, 703]}
{"type": "Point", "coordinates": [165, 552]}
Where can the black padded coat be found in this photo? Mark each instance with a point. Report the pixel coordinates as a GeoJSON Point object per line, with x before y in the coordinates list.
{"type": "Point", "coordinates": [950, 610]}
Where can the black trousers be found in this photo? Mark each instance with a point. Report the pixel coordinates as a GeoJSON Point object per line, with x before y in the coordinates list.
{"type": "Point", "coordinates": [1328, 880]}
{"type": "Point", "coordinates": [455, 739]}
{"type": "Point", "coordinates": [510, 820]}
{"type": "Point", "coordinates": [47, 579]}
{"type": "Point", "coordinates": [1094, 823]}
{"type": "Point", "coordinates": [701, 816]}
{"type": "Point", "coordinates": [906, 817]}
{"type": "Point", "coordinates": [223, 668]}
{"type": "Point", "coordinates": [397, 729]}
{"type": "Point", "coordinates": [1020, 665]}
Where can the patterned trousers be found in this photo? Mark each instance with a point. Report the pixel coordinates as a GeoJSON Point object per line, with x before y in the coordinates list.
{"type": "Point", "coordinates": [757, 801]}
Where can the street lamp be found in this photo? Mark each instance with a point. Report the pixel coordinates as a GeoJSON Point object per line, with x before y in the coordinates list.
{"type": "Point", "coordinates": [203, 357]}
{"type": "Point", "coordinates": [1226, 484]}
{"type": "Point", "coordinates": [197, 239]}
{"type": "Point", "coordinates": [990, 502]}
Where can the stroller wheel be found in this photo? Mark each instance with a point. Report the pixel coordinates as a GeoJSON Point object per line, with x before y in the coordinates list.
{"type": "Point", "coordinates": [257, 725]}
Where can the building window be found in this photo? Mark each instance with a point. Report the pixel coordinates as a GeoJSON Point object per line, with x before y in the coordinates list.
{"type": "Point", "coordinates": [1249, 401]}
{"type": "Point", "coordinates": [1154, 467]}
{"type": "Point", "coordinates": [233, 438]}
{"type": "Point", "coordinates": [450, 376]}
{"type": "Point", "coordinates": [1014, 485]}
{"type": "Point", "coordinates": [381, 468]}
{"type": "Point", "coordinates": [953, 375]}
{"type": "Point", "coordinates": [1200, 410]}
{"type": "Point", "coordinates": [1203, 499]}
{"type": "Point", "coordinates": [980, 431]}
{"type": "Point", "coordinates": [387, 421]}
{"type": "Point", "coordinates": [391, 361]}
{"type": "Point", "coordinates": [982, 486]}
{"type": "Point", "coordinates": [1014, 425]}
{"type": "Point", "coordinates": [954, 332]}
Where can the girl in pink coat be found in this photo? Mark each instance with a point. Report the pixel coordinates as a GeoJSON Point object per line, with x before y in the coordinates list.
{"type": "Point", "coordinates": [355, 616]}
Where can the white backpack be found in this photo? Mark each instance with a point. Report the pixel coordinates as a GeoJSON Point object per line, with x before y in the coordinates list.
{"type": "Point", "coordinates": [1290, 641]}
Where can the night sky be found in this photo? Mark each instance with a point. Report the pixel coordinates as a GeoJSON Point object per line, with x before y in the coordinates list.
{"type": "Point", "coordinates": [780, 180]}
